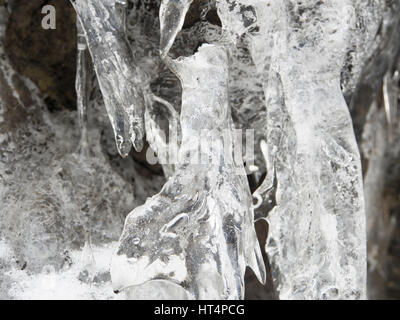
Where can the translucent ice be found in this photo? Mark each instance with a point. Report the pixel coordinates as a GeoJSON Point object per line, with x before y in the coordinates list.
{"type": "Point", "coordinates": [165, 149]}
{"type": "Point", "coordinates": [103, 22]}
{"type": "Point", "coordinates": [283, 68]}
{"type": "Point", "coordinates": [172, 16]}
{"type": "Point", "coordinates": [317, 229]}
{"type": "Point", "coordinates": [82, 86]}
{"type": "Point", "coordinates": [195, 238]}
{"type": "Point", "coordinates": [50, 195]}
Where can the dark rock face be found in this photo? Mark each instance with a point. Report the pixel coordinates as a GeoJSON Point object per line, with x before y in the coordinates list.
{"type": "Point", "coordinates": [15, 114]}
{"type": "Point", "coordinates": [47, 57]}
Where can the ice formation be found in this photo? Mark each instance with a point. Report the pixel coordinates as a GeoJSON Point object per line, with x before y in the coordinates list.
{"type": "Point", "coordinates": [289, 70]}
{"type": "Point", "coordinates": [198, 232]}
{"type": "Point", "coordinates": [124, 79]}
{"type": "Point", "coordinates": [317, 241]}
{"type": "Point", "coordinates": [103, 23]}
{"type": "Point", "coordinates": [52, 191]}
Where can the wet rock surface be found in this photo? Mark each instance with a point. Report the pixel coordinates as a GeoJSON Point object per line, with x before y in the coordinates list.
{"type": "Point", "coordinates": [47, 57]}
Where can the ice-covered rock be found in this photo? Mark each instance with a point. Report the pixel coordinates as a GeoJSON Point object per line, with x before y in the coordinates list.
{"type": "Point", "coordinates": [53, 192]}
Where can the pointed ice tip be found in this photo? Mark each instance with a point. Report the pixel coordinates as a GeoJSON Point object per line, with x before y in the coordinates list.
{"type": "Point", "coordinates": [124, 147]}
{"type": "Point", "coordinates": [123, 154]}
{"type": "Point", "coordinates": [256, 262]}
{"type": "Point", "coordinates": [263, 146]}
{"type": "Point", "coordinates": [138, 145]}
{"type": "Point", "coordinates": [172, 17]}
{"type": "Point", "coordinates": [260, 272]}
{"type": "Point", "coordinates": [137, 140]}
{"type": "Point", "coordinates": [163, 51]}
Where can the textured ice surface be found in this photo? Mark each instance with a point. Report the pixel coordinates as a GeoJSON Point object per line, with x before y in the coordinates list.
{"type": "Point", "coordinates": [126, 65]}
{"type": "Point", "coordinates": [290, 63]}
{"type": "Point", "coordinates": [172, 16]}
{"type": "Point", "coordinates": [63, 284]}
{"type": "Point", "coordinates": [52, 194]}
{"type": "Point", "coordinates": [198, 232]}
{"type": "Point", "coordinates": [317, 229]}
{"type": "Point", "coordinates": [122, 88]}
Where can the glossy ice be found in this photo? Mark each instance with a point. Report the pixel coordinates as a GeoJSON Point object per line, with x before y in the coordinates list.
{"type": "Point", "coordinates": [317, 237]}
{"type": "Point", "coordinates": [198, 232]}
{"type": "Point", "coordinates": [103, 23]}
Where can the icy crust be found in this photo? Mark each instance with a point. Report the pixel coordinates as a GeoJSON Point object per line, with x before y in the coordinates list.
{"type": "Point", "coordinates": [198, 232]}
{"type": "Point", "coordinates": [317, 241]}
{"type": "Point", "coordinates": [52, 194]}
{"type": "Point", "coordinates": [55, 198]}
{"type": "Point", "coordinates": [288, 61]}
{"type": "Point", "coordinates": [63, 284]}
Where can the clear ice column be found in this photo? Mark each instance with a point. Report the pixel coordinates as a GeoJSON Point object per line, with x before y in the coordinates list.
{"type": "Point", "coordinates": [195, 238]}
{"type": "Point", "coordinates": [103, 23]}
{"type": "Point", "coordinates": [317, 240]}
{"type": "Point", "coordinates": [317, 236]}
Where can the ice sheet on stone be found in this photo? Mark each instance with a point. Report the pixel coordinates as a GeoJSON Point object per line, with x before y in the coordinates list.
{"type": "Point", "coordinates": [63, 284]}
{"type": "Point", "coordinates": [116, 69]}
{"type": "Point", "coordinates": [317, 230]}
{"type": "Point", "coordinates": [198, 232]}
{"type": "Point", "coordinates": [46, 190]}
{"type": "Point", "coordinates": [364, 39]}
{"type": "Point", "coordinates": [51, 194]}
{"type": "Point", "coordinates": [50, 198]}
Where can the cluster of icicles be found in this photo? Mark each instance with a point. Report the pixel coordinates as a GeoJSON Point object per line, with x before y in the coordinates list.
{"type": "Point", "coordinates": [195, 238]}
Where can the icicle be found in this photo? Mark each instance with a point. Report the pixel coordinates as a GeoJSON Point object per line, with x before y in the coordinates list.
{"type": "Point", "coordinates": [390, 100]}
{"type": "Point", "coordinates": [82, 87]}
{"type": "Point", "coordinates": [119, 79]}
{"type": "Point", "coordinates": [198, 232]}
{"type": "Point", "coordinates": [172, 17]}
